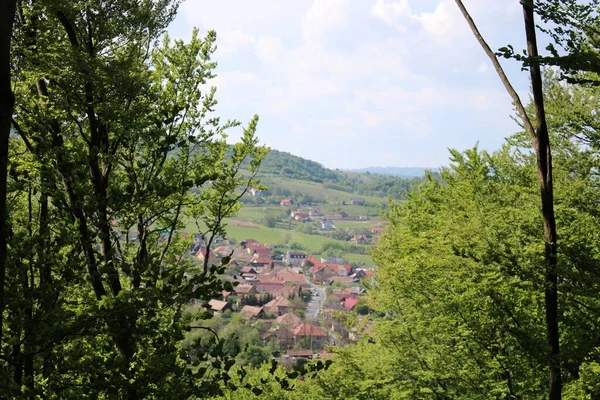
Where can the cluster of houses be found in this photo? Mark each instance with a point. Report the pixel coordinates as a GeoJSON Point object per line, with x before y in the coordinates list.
{"type": "Point", "coordinates": [260, 275]}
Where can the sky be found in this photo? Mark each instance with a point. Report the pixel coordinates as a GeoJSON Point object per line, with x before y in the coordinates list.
{"type": "Point", "coordinates": [358, 83]}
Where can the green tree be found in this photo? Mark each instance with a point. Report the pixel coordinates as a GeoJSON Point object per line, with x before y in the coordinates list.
{"type": "Point", "coordinates": [255, 355]}
{"type": "Point", "coordinates": [7, 100]}
{"type": "Point", "coordinates": [115, 128]}
{"type": "Point", "coordinates": [270, 221]}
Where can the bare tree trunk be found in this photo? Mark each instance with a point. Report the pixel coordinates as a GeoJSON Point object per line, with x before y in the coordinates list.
{"type": "Point", "coordinates": [7, 103]}
{"type": "Point", "coordinates": [544, 163]}
{"type": "Point", "coordinates": [541, 144]}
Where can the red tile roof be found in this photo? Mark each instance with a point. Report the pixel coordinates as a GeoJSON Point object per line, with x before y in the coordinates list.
{"type": "Point", "coordinates": [217, 305]}
{"type": "Point", "coordinates": [307, 329]}
{"type": "Point", "coordinates": [350, 302]}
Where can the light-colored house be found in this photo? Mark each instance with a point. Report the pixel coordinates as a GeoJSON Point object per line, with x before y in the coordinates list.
{"type": "Point", "coordinates": [326, 225]}
{"type": "Point", "coordinates": [218, 306]}
{"type": "Point", "coordinates": [244, 290]}
{"type": "Point", "coordinates": [294, 258]}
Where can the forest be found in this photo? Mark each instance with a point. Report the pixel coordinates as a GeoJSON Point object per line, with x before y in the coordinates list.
{"type": "Point", "coordinates": [291, 166]}
{"type": "Point", "coordinates": [488, 274]}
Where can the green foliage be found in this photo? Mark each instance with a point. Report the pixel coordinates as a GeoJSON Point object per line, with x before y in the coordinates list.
{"type": "Point", "coordinates": [114, 128]}
{"type": "Point", "coordinates": [290, 166]}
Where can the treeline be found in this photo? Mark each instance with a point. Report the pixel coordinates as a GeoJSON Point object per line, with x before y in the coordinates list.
{"type": "Point", "coordinates": [294, 167]}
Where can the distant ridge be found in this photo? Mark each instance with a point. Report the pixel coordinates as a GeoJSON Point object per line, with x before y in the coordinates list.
{"type": "Point", "coordinates": [405, 172]}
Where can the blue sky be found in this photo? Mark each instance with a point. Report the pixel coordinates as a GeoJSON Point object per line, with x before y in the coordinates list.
{"type": "Point", "coordinates": [357, 83]}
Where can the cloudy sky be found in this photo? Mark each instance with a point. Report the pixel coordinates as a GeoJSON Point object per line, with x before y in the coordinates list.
{"type": "Point", "coordinates": [356, 83]}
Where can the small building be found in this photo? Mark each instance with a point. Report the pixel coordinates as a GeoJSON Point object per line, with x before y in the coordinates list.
{"type": "Point", "coordinates": [360, 239]}
{"type": "Point", "coordinates": [249, 312]}
{"type": "Point", "coordinates": [357, 201]}
{"type": "Point", "coordinates": [244, 290]}
{"type": "Point", "coordinates": [326, 225]}
{"type": "Point", "coordinates": [314, 335]}
{"type": "Point", "coordinates": [299, 353]}
{"type": "Point", "coordinates": [286, 203]}
{"type": "Point", "coordinates": [278, 306]}
{"type": "Point", "coordinates": [218, 306]}
{"type": "Point", "coordinates": [294, 258]}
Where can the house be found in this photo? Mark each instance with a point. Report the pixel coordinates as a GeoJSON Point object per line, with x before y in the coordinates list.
{"type": "Point", "coordinates": [326, 225]}
{"type": "Point", "coordinates": [296, 212]}
{"type": "Point", "coordinates": [376, 230]}
{"type": "Point", "coordinates": [302, 216]}
{"type": "Point", "coordinates": [268, 287]}
{"type": "Point", "coordinates": [282, 335]}
{"type": "Point", "coordinates": [333, 260]}
{"type": "Point", "coordinates": [322, 273]}
{"type": "Point", "coordinates": [256, 192]}
{"type": "Point", "coordinates": [300, 353]}
{"type": "Point", "coordinates": [331, 307]}
{"type": "Point", "coordinates": [197, 238]}
{"type": "Point", "coordinates": [294, 258]}
{"type": "Point", "coordinates": [258, 250]}
{"type": "Point", "coordinates": [313, 213]}
{"type": "Point", "coordinates": [260, 262]}
{"type": "Point", "coordinates": [244, 290]}
{"type": "Point", "coordinates": [343, 279]}
{"type": "Point", "coordinates": [288, 275]}
{"type": "Point", "coordinates": [349, 302]}
{"type": "Point", "coordinates": [249, 270]}
{"type": "Point", "coordinates": [249, 312]}
{"type": "Point", "coordinates": [359, 239]}
{"type": "Point", "coordinates": [311, 333]}
{"type": "Point", "coordinates": [288, 320]}
{"type": "Point", "coordinates": [278, 306]}
{"type": "Point", "coordinates": [213, 258]}
{"type": "Point", "coordinates": [357, 201]}
{"type": "Point", "coordinates": [286, 202]}
{"type": "Point", "coordinates": [218, 306]}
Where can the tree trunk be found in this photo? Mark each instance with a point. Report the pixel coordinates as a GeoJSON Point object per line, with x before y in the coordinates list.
{"type": "Point", "coordinates": [541, 144]}
{"type": "Point", "coordinates": [544, 164]}
{"type": "Point", "coordinates": [7, 103]}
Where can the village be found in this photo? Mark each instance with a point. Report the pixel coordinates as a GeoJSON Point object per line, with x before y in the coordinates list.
{"type": "Point", "coordinates": [301, 306]}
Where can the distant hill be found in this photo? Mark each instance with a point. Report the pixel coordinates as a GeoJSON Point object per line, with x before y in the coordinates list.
{"type": "Point", "coordinates": [406, 172]}
{"type": "Point", "coordinates": [286, 165]}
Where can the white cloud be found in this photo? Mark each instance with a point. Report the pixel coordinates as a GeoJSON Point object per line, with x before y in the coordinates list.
{"type": "Point", "coordinates": [232, 41]}
{"type": "Point", "coordinates": [322, 16]}
{"type": "Point", "coordinates": [359, 77]}
{"type": "Point", "coordinates": [268, 48]}
{"type": "Point", "coordinates": [391, 11]}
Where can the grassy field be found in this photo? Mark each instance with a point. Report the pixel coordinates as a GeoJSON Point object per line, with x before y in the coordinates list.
{"type": "Point", "coordinates": [285, 233]}
{"type": "Point", "coordinates": [281, 237]}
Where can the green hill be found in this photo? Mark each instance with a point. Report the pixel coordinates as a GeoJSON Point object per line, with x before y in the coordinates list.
{"type": "Point", "coordinates": [286, 165]}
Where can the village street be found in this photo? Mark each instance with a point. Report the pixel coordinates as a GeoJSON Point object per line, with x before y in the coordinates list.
{"type": "Point", "coordinates": [315, 306]}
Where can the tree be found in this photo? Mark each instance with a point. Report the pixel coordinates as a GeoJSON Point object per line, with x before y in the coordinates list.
{"type": "Point", "coordinates": [114, 131]}
{"type": "Point", "coordinates": [255, 355]}
{"type": "Point", "coordinates": [7, 12]}
{"type": "Point", "coordinates": [270, 221]}
{"type": "Point", "coordinates": [541, 145]}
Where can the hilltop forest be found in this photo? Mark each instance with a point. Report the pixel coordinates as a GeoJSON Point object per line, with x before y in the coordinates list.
{"type": "Point", "coordinates": [486, 278]}
{"type": "Point", "coordinates": [283, 164]}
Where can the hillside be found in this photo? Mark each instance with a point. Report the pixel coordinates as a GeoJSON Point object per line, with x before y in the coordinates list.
{"type": "Point", "coordinates": [286, 165]}
{"type": "Point", "coordinates": [404, 172]}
